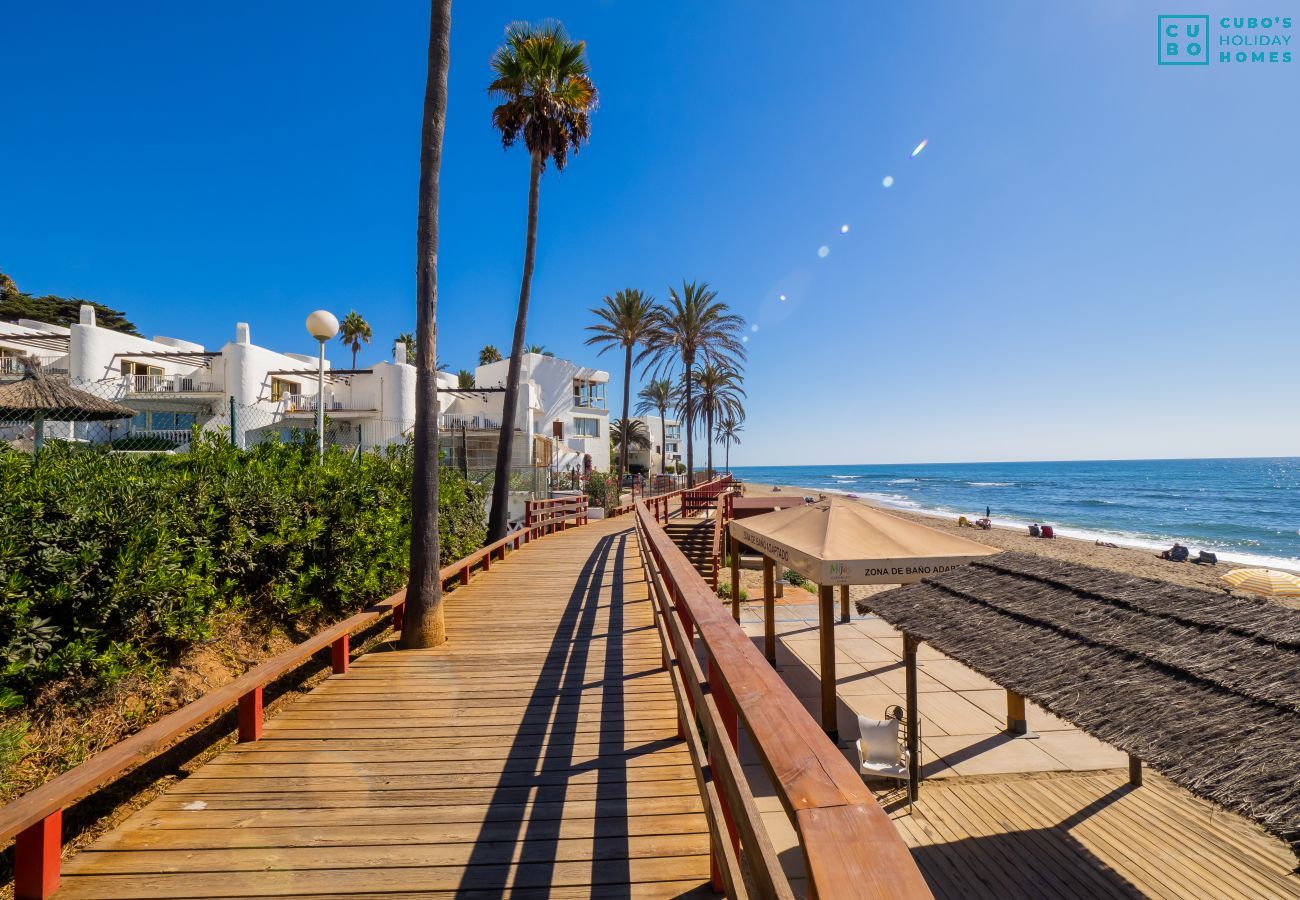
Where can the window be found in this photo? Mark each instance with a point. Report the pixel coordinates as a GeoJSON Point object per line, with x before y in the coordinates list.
{"type": "Point", "coordinates": [585, 427]}
{"type": "Point", "coordinates": [10, 362]}
{"type": "Point", "coordinates": [280, 388]}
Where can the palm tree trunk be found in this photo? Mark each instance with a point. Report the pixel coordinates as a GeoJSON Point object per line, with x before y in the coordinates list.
{"type": "Point", "coordinates": [663, 440]}
{"type": "Point", "coordinates": [627, 390]}
{"type": "Point", "coordinates": [727, 445]}
{"type": "Point", "coordinates": [708, 440]}
{"type": "Point", "coordinates": [690, 440]}
{"type": "Point", "coordinates": [499, 516]}
{"type": "Point", "coordinates": [355, 348]}
{"type": "Point", "coordinates": [423, 624]}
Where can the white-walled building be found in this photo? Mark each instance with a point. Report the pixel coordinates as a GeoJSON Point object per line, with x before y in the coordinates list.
{"type": "Point", "coordinates": [560, 403]}
{"type": "Point", "coordinates": [176, 384]}
{"type": "Point", "coordinates": [665, 450]}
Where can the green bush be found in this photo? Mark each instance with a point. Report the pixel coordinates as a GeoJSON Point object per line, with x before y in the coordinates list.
{"type": "Point", "coordinates": [112, 562]}
{"type": "Point", "coordinates": [724, 591]}
{"type": "Point", "coordinates": [795, 578]}
{"type": "Point", "coordinates": [602, 490]}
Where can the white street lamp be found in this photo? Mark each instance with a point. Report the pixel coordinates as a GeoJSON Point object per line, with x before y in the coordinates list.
{"type": "Point", "coordinates": [322, 325]}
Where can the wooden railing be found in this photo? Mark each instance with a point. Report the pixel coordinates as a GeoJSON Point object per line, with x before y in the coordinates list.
{"type": "Point", "coordinates": [850, 847]}
{"type": "Point", "coordinates": [705, 496]}
{"type": "Point", "coordinates": [36, 818]}
{"type": "Point", "coordinates": [555, 514]}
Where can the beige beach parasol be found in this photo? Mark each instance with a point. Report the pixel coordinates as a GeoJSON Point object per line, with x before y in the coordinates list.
{"type": "Point", "coordinates": [838, 541]}
{"type": "Point", "coordinates": [1268, 582]}
{"type": "Point", "coordinates": [841, 541]}
{"type": "Point", "coordinates": [36, 398]}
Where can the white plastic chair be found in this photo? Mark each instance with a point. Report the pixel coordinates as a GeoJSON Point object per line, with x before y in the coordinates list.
{"type": "Point", "coordinates": [881, 754]}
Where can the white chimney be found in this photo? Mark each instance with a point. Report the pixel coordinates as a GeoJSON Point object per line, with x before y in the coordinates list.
{"type": "Point", "coordinates": [241, 333]}
{"type": "Point", "coordinates": [399, 352]}
{"type": "Point", "coordinates": [87, 315]}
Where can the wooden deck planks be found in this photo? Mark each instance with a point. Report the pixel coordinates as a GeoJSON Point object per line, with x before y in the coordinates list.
{"type": "Point", "coordinates": [534, 754]}
{"type": "Point", "coordinates": [1084, 835]}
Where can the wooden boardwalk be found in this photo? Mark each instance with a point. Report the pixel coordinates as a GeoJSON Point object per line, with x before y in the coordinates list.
{"type": "Point", "coordinates": [1084, 835]}
{"type": "Point", "coordinates": [534, 754]}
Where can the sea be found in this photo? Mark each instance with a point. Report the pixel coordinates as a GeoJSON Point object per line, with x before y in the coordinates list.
{"type": "Point", "coordinates": [1245, 510]}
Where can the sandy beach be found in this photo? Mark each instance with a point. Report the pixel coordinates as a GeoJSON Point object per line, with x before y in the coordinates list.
{"type": "Point", "coordinates": [1131, 561]}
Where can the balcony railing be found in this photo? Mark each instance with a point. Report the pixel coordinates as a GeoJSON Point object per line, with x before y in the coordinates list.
{"type": "Point", "coordinates": [175, 435]}
{"type": "Point", "coordinates": [51, 365]}
{"type": "Point", "coordinates": [470, 423]}
{"type": "Point", "coordinates": [169, 384]}
{"type": "Point", "coordinates": [304, 403]}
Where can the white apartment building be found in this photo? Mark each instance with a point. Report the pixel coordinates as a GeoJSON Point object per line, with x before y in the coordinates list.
{"type": "Point", "coordinates": [665, 450]}
{"type": "Point", "coordinates": [560, 403]}
{"type": "Point", "coordinates": [176, 384]}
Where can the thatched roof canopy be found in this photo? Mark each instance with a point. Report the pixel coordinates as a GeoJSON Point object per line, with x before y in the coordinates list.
{"type": "Point", "coordinates": [1204, 687]}
{"type": "Point", "coordinates": [38, 395]}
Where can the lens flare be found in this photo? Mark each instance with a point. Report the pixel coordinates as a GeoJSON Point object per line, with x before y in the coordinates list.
{"type": "Point", "coordinates": [919, 147]}
{"type": "Point", "coordinates": [844, 229]}
{"type": "Point", "coordinates": [745, 339]}
{"type": "Point", "coordinates": [823, 251]}
{"type": "Point", "coordinates": [754, 328]}
{"type": "Point", "coordinates": [887, 181]}
{"type": "Point", "coordinates": [781, 298]}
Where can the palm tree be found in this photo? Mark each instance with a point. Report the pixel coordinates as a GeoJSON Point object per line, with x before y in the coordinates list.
{"type": "Point", "coordinates": [353, 332]}
{"type": "Point", "coordinates": [632, 434]}
{"type": "Point", "coordinates": [464, 379]}
{"type": "Point", "coordinates": [696, 327]}
{"type": "Point", "coordinates": [627, 319]}
{"type": "Point", "coordinates": [546, 94]}
{"type": "Point", "coordinates": [717, 395]}
{"type": "Point", "coordinates": [657, 396]}
{"type": "Point", "coordinates": [423, 625]}
{"type": "Point", "coordinates": [729, 430]}
{"type": "Point", "coordinates": [489, 355]}
{"type": "Point", "coordinates": [409, 340]}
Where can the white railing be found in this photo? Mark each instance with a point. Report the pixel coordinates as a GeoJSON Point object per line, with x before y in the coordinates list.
{"type": "Point", "coordinates": [169, 384]}
{"type": "Point", "coordinates": [175, 435]}
{"type": "Point", "coordinates": [305, 403]}
{"type": "Point", "coordinates": [51, 365]}
{"type": "Point", "coordinates": [450, 421]}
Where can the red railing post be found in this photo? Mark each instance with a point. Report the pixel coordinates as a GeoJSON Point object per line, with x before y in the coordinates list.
{"type": "Point", "coordinates": [250, 716]}
{"type": "Point", "coordinates": [399, 615]}
{"type": "Point", "coordinates": [487, 561]}
{"type": "Point", "coordinates": [36, 858]}
{"type": "Point", "coordinates": [339, 655]}
{"type": "Point", "coordinates": [464, 575]}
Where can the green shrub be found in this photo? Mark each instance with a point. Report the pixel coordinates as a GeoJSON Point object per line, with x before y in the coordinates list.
{"type": "Point", "coordinates": [110, 563]}
{"type": "Point", "coordinates": [724, 591]}
{"type": "Point", "coordinates": [795, 578]}
{"type": "Point", "coordinates": [602, 490]}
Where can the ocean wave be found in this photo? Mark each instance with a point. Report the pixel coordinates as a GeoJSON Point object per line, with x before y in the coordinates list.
{"type": "Point", "coordinates": [846, 477]}
{"type": "Point", "coordinates": [901, 481]}
{"type": "Point", "coordinates": [991, 483]}
{"type": "Point", "coordinates": [1090, 502]}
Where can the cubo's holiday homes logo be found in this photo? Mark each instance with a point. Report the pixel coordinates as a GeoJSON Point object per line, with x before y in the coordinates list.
{"type": "Point", "coordinates": [1182, 40]}
{"type": "Point", "coordinates": [1187, 41]}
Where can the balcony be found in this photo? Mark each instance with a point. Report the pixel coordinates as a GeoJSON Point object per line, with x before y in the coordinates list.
{"type": "Point", "coordinates": [299, 404]}
{"type": "Point", "coordinates": [13, 366]}
{"type": "Point", "coordinates": [449, 421]}
{"type": "Point", "coordinates": [170, 384]}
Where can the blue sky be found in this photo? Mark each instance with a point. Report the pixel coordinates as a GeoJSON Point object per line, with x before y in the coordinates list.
{"type": "Point", "coordinates": [1095, 256]}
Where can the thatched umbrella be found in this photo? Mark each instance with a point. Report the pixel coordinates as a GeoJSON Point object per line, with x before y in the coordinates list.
{"type": "Point", "coordinates": [36, 397]}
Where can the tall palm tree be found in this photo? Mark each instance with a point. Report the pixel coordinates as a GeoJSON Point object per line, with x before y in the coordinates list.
{"type": "Point", "coordinates": [547, 96]}
{"type": "Point", "coordinates": [729, 430]}
{"type": "Point", "coordinates": [717, 395]}
{"type": "Point", "coordinates": [409, 340]}
{"type": "Point", "coordinates": [423, 625]}
{"type": "Point", "coordinates": [627, 320]}
{"type": "Point", "coordinates": [464, 379]}
{"type": "Point", "coordinates": [489, 355]}
{"type": "Point", "coordinates": [696, 327]}
{"type": "Point", "coordinates": [624, 433]}
{"type": "Point", "coordinates": [657, 395]}
{"type": "Point", "coordinates": [353, 332]}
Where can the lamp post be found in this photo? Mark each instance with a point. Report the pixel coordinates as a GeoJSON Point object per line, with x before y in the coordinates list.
{"type": "Point", "coordinates": [322, 325]}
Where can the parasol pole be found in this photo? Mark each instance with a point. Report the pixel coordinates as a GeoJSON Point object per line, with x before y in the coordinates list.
{"type": "Point", "coordinates": [39, 422]}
